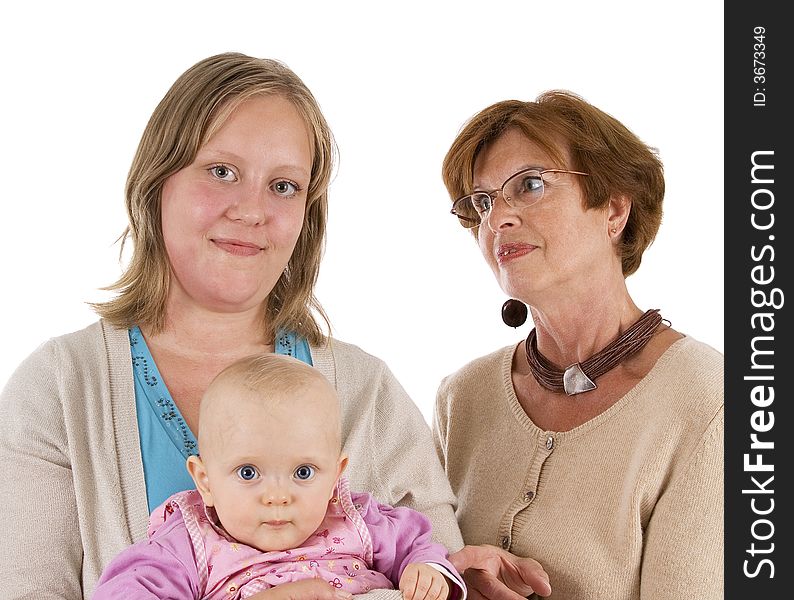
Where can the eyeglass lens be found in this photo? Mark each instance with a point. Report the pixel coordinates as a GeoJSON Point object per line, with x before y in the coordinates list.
{"type": "Point", "coordinates": [521, 190]}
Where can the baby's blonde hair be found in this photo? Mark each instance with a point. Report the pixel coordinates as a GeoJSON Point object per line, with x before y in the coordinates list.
{"type": "Point", "coordinates": [272, 373]}
{"type": "Point", "coordinates": [275, 379]}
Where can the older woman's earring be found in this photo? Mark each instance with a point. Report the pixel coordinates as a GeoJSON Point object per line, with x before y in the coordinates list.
{"type": "Point", "coordinates": [514, 313]}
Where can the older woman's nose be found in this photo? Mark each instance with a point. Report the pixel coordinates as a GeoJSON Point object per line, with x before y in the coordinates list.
{"type": "Point", "coordinates": [501, 215]}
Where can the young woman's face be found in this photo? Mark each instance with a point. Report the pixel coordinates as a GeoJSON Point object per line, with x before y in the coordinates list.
{"type": "Point", "coordinates": [231, 218]}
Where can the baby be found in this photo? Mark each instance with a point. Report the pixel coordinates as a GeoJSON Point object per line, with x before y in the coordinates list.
{"type": "Point", "coordinates": [272, 517]}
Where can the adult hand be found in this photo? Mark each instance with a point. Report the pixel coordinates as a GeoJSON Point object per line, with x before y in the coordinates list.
{"type": "Point", "coordinates": [306, 589]}
{"type": "Point", "coordinates": [491, 573]}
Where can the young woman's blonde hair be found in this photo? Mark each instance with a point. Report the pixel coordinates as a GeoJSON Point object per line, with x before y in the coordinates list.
{"type": "Point", "coordinates": [196, 106]}
{"type": "Point", "coordinates": [618, 162]}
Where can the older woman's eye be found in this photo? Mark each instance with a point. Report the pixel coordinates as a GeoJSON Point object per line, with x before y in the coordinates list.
{"type": "Point", "coordinates": [286, 188]}
{"type": "Point", "coordinates": [482, 203]}
{"type": "Point", "coordinates": [304, 472]}
{"type": "Point", "coordinates": [247, 472]}
{"type": "Point", "coordinates": [223, 173]}
{"type": "Point", "coordinates": [531, 184]}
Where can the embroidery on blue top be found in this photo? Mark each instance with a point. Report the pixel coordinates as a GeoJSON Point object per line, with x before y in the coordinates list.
{"type": "Point", "coordinates": [158, 396]}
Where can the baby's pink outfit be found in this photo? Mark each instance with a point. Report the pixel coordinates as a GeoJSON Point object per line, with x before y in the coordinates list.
{"type": "Point", "coordinates": [359, 546]}
{"type": "Point", "coordinates": [338, 552]}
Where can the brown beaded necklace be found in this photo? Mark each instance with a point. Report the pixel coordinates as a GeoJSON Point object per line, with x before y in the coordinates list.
{"type": "Point", "coordinates": [579, 377]}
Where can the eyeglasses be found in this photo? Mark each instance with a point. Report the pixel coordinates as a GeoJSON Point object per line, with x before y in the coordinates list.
{"type": "Point", "coordinates": [521, 190]}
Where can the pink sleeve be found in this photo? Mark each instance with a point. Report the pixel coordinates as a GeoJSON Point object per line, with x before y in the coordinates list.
{"type": "Point", "coordinates": [161, 567]}
{"type": "Point", "coordinates": [401, 536]}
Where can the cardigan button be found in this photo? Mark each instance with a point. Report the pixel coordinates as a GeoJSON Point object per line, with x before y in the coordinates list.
{"type": "Point", "coordinates": [528, 496]}
{"type": "Point", "coordinates": [550, 442]}
{"type": "Point", "coordinates": [505, 543]}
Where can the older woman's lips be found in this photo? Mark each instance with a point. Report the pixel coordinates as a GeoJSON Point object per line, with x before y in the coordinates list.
{"type": "Point", "coordinates": [237, 247]}
{"type": "Point", "coordinates": [507, 252]}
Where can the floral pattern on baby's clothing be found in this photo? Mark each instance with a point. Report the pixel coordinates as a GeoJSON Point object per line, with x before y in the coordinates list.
{"type": "Point", "coordinates": [340, 552]}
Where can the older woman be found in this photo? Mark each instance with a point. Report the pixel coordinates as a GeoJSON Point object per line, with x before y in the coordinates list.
{"type": "Point", "coordinates": [595, 445]}
{"type": "Point", "coordinates": [227, 211]}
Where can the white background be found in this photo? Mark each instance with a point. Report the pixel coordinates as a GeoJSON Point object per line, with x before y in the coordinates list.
{"type": "Point", "coordinates": [396, 81]}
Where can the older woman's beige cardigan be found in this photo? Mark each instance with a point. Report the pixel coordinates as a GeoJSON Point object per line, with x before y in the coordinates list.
{"type": "Point", "coordinates": [627, 506]}
{"type": "Point", "coordinates": [72, 489]}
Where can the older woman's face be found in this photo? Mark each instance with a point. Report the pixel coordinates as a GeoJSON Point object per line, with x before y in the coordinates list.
{"type": "Point", "coordinates": [551, 248]}
{"type": "Point", "coordinates": [231, 218]}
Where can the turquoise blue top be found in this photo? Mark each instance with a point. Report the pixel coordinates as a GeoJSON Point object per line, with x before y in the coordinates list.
{"type": "Point", "coordinates": [166, 440]}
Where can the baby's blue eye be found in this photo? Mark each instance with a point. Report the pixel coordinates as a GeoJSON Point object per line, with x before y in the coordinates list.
{"type": "Point", "coordinates": [247, 472]}
{"type": "Point", "coordinates": [304, 472]}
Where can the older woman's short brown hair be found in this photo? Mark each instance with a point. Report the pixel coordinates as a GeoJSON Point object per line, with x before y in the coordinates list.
{"type": "Point", "coordinates": [195, 107]}
{"type": "Point", "coordinates": [618, 162]}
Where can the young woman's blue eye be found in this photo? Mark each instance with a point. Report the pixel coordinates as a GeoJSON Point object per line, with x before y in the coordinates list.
{"type": "Point", "coordinates": [247, 472]}
{"type": "Point", "coordinates": [304, 472]}
{"type": "Point", "coordinates": [223, 173]}
{"type": "Point", "coordinates": [286, 188]}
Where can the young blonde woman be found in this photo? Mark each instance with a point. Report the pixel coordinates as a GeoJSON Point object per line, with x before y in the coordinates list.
{"type": "Point", "coordinates": [227, 206]}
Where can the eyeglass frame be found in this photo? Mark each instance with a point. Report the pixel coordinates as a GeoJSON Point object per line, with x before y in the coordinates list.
{"type": "Point", "coordinates": [492, 194]}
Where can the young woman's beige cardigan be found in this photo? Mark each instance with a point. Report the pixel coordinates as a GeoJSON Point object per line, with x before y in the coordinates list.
{"type": "Point", "coordinates": [73, 492]}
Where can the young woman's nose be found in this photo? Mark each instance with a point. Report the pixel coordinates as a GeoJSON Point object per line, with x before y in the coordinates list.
{"type": "Point", "coordinates": [249, 206]}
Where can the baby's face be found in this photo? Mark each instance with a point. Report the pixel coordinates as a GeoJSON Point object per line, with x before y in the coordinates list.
{"type": "Point", "coordinates": [272, 469]}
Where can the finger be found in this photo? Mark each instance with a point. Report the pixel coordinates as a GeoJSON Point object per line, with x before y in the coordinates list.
{"type": "Point", "coordinates": [526, 575]}
{"type": "Point", "coordinates": [423, 583]}
{"type": "Point", "coordinates": [491, 588]}
{"type": "Point", "coordinates": [538, 582]}
{"type": "Point", "coordinates": [320, 590]}
{"type": "Point", "coordinates": [438, 589]}
{"type": "Point", "coordinates": [459, 561]}
{"type": "Point", "coordinates": [473, 594]}
{"type": "Point", "coordinates": [408, 584]}
{"type": "Point", "coordinates": [468, 556]}
{"type": "Point", "coordinates": [316, 588]}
